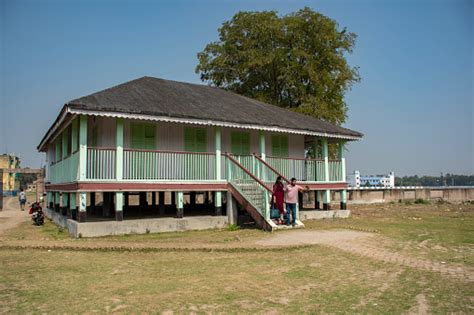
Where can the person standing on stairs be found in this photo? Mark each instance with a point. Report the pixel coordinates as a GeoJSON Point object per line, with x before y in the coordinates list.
{"type": "Point", "coordinates": [291, 199]}
{"type": "Point", "coordinates": [279, 197]}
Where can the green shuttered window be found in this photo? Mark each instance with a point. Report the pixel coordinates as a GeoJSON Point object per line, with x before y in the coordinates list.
{"type": "Point", "coordinates": [143, 136]}
{"type": "Point", "coordinates": [195, 139]}
{"type": "Point", "coordinates": [280, 145]}
{"type": "Point", "coordinates": [240, 142]}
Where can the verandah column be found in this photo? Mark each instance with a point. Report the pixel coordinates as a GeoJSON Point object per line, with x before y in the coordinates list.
{"type": "Point", "coordinates": [82, 147]}
{"type": "Point", "coordinates": [72, 206]}
{"type": "Point", "coordinates": [327, 195]}
{"type": "Point", "coordinates": [82, 214]}
{"type": "Point", "coordinates": [119, 200]}
{"type": "Point", "coordinates": [56, 201]}
{"type": "Point", "coordinates": [74, 146]}
{"type": "Point", "coordinates": [119, 149]}
{"type": "Point", "coordinates": [81, 217]}
{"type": "Point", "coordinates": [64, 203]}
{"type": "Point", "coordinates": [343, 174]}
{"type": "Point", "coordinates": [263, 154]}
{"type": "Point", "coordinates": [179, 203]}
{"type": "Point", "coordinates": [119, 206]}
{"type": "Point", "coordinates": [218, 195]}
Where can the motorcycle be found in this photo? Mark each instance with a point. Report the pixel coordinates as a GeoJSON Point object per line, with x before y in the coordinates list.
{"type": "Point", "coordinates": [37, 215]}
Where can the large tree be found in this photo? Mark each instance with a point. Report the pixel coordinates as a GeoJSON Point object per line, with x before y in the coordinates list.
{"type": "Point", "coordinates": [296, 61]}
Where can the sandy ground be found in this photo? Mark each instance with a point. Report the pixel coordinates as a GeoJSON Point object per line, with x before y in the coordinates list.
{"type": "Point", "coordinates": [12, 216]}
{"type": "Point", "coordinates": [355, 242]}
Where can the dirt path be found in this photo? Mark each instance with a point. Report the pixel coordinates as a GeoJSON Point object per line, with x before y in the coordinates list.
{"type": "Point", "coordinates": [11, 216]}
{"type": "Point", "coordinates": [359, 243]}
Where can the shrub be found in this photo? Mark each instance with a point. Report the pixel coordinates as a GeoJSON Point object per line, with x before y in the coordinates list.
{"type": "Point", "coordinates": [421, 201]}
{"type": "Point", "coordinates": [233, 227]}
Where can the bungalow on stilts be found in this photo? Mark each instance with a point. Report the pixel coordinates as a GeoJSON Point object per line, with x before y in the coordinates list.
{"type": "Point", "coordinates": [158, 155]}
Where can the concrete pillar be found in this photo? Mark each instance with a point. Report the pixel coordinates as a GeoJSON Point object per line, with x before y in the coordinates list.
{"type": "Point", "coordinates": [161, 202]}
{"type": "Point", "coordinates": [179, 202]}
{"type": "Point", "coordinates": [50, 200]}
{"type": "Point", "coordinates": [68, 209]}
{"type": "Point", "coordinates": [218, 203]}
{"type": "Point", "coordinates": [64, 203]}
{"type": "Point", "coordinates": [153, 199]}
{"type": "Point", "coordinates": [232, 213]}
{"type": "Point", "coordinates": [317, 199]}
{"type": "Point", "coordinates": [142, 200]}
{"type": "Point", "coordinates": [300, 200]}
{"type": "Point", "coordinates": [82, 214]}
{"type": "Point", "coordinates": [56, 201]}
{"type": "Point", "coordinates": [343, 199]}
{"type": "Point", "coordinates": [119, 206]}
{"type": "Point", "coordinates": [72, 206]}
{"type": "Point", "coordinates": [107, 203]}
{"type": "Point", "coordinates": [126, 199]}
{"type": "Point", "coordinates": [92, 202]}
{"type": "Point", "coordinates": [327, 200]}
{"type": "Point", "coordinates": [173, 199]}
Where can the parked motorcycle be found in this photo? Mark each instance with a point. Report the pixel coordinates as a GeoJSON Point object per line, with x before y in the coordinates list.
{"type": "Point", "coordinates": [37, 215]}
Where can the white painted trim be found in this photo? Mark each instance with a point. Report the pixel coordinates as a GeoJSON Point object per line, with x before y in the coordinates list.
{"type": "Point", "coordinates": [208, 123]}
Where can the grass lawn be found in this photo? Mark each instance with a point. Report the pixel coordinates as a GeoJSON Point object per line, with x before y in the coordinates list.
{"type": "Point", "coordinates": [314, 279]}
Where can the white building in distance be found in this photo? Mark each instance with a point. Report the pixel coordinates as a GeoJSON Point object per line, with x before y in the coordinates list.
{"type": "Point", "coordinates": [356, 180]}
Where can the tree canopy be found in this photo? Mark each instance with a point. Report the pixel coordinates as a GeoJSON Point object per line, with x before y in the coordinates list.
{"type": "Point", "coordinates": [297, 61]}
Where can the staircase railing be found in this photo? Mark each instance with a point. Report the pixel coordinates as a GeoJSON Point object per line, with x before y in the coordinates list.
{"type": "Point", "coordinates": [266, 172]}
{"type": "Point", "coordinates": [252, 188]}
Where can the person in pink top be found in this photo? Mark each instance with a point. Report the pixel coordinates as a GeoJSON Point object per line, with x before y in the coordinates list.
{"type": "Point", "coordinates": [291, 199]}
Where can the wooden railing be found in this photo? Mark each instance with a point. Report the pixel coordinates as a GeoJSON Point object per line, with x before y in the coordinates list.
{"type": "Point", "coordinates": [306, 169]}
{"type": "Point", "coordinates": [335, 171]}
{"type": "Point", "coordinates": [100, 163]}
{"type": "Point", "coordinates": [65, 170]}
{"type": "Point", "coordinates": [166, 165]}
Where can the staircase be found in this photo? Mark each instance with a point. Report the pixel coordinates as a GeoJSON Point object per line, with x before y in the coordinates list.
{"type": "Point", "coordinates": [252, 190]}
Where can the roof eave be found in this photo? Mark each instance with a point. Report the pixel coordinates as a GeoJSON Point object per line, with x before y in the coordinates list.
{"type": "Point", "coordinates": [78, 111]}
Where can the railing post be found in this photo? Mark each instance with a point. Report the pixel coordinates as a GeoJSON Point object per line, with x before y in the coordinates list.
{"type": "Point", "coordinates": [119, 151]}
{"type": "Point", "coordinates": [82, 147]}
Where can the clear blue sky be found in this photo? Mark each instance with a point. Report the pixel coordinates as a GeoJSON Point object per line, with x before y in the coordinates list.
{"type": "Point", "coordinates": [414, 103]}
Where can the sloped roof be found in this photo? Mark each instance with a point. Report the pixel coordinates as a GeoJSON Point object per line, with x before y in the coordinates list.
{"type": "Point", "coordinates": [158, 97]}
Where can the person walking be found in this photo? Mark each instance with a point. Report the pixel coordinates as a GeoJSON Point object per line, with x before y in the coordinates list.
{"type": "Point", "coordinates": [22, 199]}
{"type": "Point", "coordinates": [279, 197]}
{"type": "Point", "coordinates": [291, 199]}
